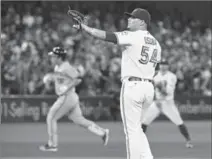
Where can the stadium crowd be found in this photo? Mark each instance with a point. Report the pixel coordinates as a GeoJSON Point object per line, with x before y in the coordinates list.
{"type": "Point", "coordinates": [26, 39]}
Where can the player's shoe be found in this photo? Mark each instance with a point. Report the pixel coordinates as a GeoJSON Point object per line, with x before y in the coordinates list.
{"type": "Point", "coordinates": [105, 138]}
{"type": "Point", "coordinates": [48, 148]}
{"type": "Point", "coordinates": [189, 144]}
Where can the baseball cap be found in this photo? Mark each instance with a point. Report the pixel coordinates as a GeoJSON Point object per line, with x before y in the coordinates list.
{"type": "Point", "coordinates": [141, 14]}
{"type": "Point", "coordinates": [164, 62]}
{"type": "Point", "coordinates": [57, 51]}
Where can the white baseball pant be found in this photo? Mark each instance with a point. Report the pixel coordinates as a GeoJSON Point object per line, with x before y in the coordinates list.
{"type": "Point", "coordinates": [135, 98]}
{"type": "Point", "coordinates": [68, 103]}
{"type": "Point", "coordinates": [167, 107]}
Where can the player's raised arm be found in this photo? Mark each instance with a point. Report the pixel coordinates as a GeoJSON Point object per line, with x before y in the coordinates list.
{"type": "Point", "coordinates": [139, 19]}
{"type": "Point", "coordinates": [80, 23]}
{"type": "Point", "coordinates": [121, 38]}
{"type": "Point", "coordinates": [100, 34]}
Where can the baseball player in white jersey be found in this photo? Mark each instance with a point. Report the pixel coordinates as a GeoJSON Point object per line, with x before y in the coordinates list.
{"type": "Point", "coordinates": [65, 78]}
{"type": "Point", "coordinates": [165, 82]}
{"type": "Point", "coordinates": [140, 56]}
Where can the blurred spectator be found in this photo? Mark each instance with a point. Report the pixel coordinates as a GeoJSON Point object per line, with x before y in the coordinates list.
{"type": "Point", "coordinates": [29, 31]}
{"type": "Point", "coordinates": [35, 84]}
{"type": "Point", "coordinates": [28, 20]}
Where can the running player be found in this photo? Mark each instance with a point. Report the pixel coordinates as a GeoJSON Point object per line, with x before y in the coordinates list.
{"type": "Point", "coordinates": [140, 56]}
{"type": "Point", "coordinates": [165, 82]}
{"type": "Point", "coordinates": [66, 77]}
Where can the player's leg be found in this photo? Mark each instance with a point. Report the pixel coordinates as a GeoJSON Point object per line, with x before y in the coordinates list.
{"type": "Point", "coordinates": [184, 131]}
{"type": "Point", "coordinates": [170, 110]}
{"type": "Point", "coordinates": [52, 125]}
{"type": "Point", "coordinates": [131, 112]}
{"type": "Point", "coordinates": [77, 117]}
{"type": "Point", "coordinates": [149, 115]}
{"type": "Point", "coordinates": [67, 105]}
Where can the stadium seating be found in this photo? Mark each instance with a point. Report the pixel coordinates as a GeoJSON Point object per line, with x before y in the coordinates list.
{"type": "Point", "coordinates": [27, 37]}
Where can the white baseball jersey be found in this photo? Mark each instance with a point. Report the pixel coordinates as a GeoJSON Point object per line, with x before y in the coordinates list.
{"type": "Point", "coordinates": [141, 54]}
{"type": "Point", "coordinates": [169, 81]}
{"type": "Point", "coordinates": [139, 58]}
{"type": "Point", "coordinates": [65, 73]}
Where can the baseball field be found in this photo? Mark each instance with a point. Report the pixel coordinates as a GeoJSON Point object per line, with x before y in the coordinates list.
{"type": "Point", "coordinates": [21, 141]}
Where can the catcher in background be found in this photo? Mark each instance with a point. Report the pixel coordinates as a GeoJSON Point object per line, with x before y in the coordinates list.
{"type": "Point", "coordinates": [165, 82]}
{"type": "Point", "coordinates": [66, 77]}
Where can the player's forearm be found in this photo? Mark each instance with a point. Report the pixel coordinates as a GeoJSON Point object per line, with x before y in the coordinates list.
{"type": "Point", "coordinates": [100, 34]}
{"type": "Point", "coordinates": [72, 85]}
{"type": "Point", "coordinates": [51, 76]}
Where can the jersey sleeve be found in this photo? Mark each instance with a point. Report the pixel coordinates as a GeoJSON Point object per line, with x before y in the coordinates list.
{"type": "Point", "coordinates": [71, 72]}
{"type": "Point", "coordinates": [124, 37]}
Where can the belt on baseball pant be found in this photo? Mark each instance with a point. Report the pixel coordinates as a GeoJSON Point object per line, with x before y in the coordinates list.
{"type": "Point", "coordinates": [139, 79]}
